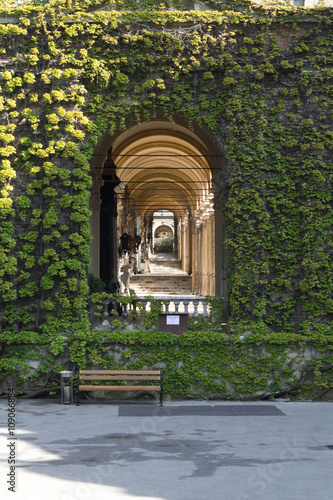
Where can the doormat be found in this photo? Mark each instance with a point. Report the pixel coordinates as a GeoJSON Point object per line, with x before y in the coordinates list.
{"type": "Point", "coordinates": [195, 410]}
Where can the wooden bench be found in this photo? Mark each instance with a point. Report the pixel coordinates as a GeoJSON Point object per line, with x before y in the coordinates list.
{"type": "Point", "coordinates": [138, 379]}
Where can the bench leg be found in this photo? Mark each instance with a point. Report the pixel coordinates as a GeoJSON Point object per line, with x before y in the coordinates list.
{"type": "Point", "coordinates": [78, 392]}
{"type": "Point", "coordinates": [161, 393]}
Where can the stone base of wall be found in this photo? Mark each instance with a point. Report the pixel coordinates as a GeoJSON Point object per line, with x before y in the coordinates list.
{"type": "Point", "coordinates": [212, 369]}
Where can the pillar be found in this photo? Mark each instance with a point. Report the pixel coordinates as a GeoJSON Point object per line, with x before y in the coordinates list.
{"type": "Point", "coordinates": [194, 257]}
{"type": "Point", "coordinates": [108, 227]}
{"type": "Point", "coordinates": [180, 240]}
{"type": "Point", "coordinates": [204, 257]}
{"type": "Point", "coordinates": [95, 205]}
{"type": "Point", "coordinates": [220, 272]}
{"type": "Point", "coordinates": [187, 247]}
{"type": "Point", "coordinates": [175, 235]}
{"type": "Point", "coordinates": [212, 253]}
{"type": "Point", "coordinates": [199, 262]}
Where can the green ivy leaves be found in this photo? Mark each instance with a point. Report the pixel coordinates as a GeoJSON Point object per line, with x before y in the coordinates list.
{"type": "Point", "coordinates": [262, 93]}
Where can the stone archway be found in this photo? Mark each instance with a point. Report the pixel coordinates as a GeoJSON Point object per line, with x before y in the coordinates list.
{"type": "Point", "coordinates": [167, 166]}
{"type": "Point", "coordinates": [163, 229]}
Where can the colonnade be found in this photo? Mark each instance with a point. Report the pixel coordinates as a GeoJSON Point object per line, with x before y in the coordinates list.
{"type": "Point", "coordinates": [160, 166]}
{"type": "Point", "coordinates": [194, 243]}
{"type": "Point", "coordinates": [196, 250]}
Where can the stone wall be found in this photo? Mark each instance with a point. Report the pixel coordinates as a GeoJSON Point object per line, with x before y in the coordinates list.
{"type": "Point", "coordinates": [254, 84]}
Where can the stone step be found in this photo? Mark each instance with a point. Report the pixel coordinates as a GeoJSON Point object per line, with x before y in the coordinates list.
{"type": "Point", "coordinates": [156, 277]}
{"type": "Point", "coordinates": [156, 287]}
{"type": "Point", "coordinates": [161, 284]}
{"type": "Point", "coordinates": [165, 270]}
{"type": "Point", "coordinates": [159, 292]}
{"type": "Point", "coordinates": [161, 277]}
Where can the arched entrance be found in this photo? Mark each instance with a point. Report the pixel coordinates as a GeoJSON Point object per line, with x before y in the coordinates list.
{"type": "Point", "coordinates": [163, 166]}
{"type": "Point", "coordinates": [163, 227]}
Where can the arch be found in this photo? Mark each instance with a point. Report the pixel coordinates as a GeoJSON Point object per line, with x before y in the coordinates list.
{"type": "Point", "coordinates": [163, 228]}
{"type": "Point", "coordinates": [163, 165]}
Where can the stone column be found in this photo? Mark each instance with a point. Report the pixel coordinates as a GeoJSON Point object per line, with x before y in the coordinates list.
{"type": "Point", "coordinates": [205, 254]}
{"type": "Point", "coordinates": [190, 247]}
{"type": "Point", "coordinates": [180, 241]}
{"type": "Point", "coordinates": [183, 246]}
{"type": "Point", "coordinates": [212, 253]}
{"type": "Point", "coordinates": [95, 204]}
{"type": "Point", "coordinates": [138, 233]}
{"type": "Point", "coordinates": [194, 256]}
{"type": "Point", "coordinates": [179, 232]}
{"type": "Point", "coordinates": [220, 283]}
{"type": "Point", "coordinates": [109, 247]}
{"type": "Point", "coordinates": [108, 226]}
{"type": "Point", "coordinates": [150, 236]}
{"type": "Point", "coordinates": [199, 262]}
{"type": "Point", "coordinates": [175, 235]}
{"type": "Point", "coordinates": [186, 248]}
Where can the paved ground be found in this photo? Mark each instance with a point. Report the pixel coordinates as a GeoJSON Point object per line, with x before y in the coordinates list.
{"type": "Point", "coordinates": [170, 257]}
{"type": "Point", "coordinates": [165, 264]}
{"type": "Point", "coordinates": [189, 451]}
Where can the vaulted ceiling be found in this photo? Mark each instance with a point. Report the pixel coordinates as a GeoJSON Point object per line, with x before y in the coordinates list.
{"type": "Point", "coordinates": [163, 166]}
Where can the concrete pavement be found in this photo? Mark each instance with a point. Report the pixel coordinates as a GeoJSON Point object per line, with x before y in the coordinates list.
{"type": "Point", "coordinates": [191, 451]}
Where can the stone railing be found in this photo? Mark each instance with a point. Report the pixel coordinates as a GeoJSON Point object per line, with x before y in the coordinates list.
{"type": "Point", "coordinates": [130, 313]}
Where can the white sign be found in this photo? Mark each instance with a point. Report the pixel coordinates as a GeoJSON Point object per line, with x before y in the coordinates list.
{"type": "Point", "coordinates": [172, 320]}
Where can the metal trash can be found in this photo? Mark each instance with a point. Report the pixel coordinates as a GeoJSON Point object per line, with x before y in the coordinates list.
{"type": "Point", "coordinates": [66, 387]}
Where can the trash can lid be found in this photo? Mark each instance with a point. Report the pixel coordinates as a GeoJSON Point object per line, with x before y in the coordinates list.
{"type": "Point", "coordinates": [66, 374]}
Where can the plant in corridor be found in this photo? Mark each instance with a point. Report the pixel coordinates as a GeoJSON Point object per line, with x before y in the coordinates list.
{"type": "Point", "coordinates": [164, 243]}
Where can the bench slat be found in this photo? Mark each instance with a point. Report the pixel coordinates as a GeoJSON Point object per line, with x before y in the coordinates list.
{"type": "Point", "coordinates": [120, 372]}
{"type": "Point", "coordinates": [119, 377]}
{"type": "Point", "coordinates": [119, 388]}
{"type": "Point", "coordinates": [131, 376]}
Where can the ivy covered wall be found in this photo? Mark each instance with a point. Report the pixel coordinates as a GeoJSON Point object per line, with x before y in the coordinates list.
{"type": "Point", "coordinates": [257, 78]}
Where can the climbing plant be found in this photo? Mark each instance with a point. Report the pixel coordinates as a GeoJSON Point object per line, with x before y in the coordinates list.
{"type": "Point", "coordinates": [256, 77]}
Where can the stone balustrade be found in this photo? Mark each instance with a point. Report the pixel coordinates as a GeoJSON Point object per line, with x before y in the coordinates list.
{"type": "Point", "coordinates": [130, 313]}
{"type": "Point", "coordinates": [188, 304]}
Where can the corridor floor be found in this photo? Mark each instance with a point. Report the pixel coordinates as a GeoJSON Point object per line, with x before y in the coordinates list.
{"type": "Point", "coordinates": [164, 277]}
